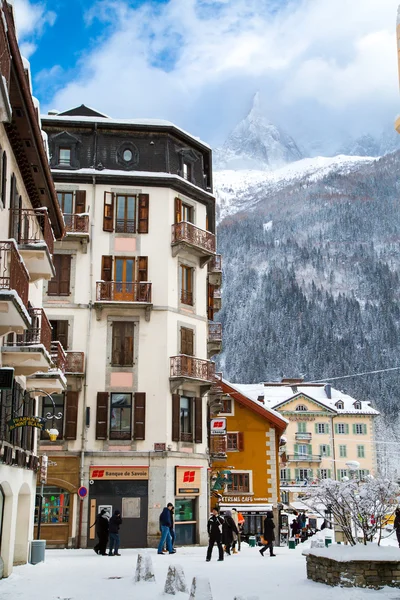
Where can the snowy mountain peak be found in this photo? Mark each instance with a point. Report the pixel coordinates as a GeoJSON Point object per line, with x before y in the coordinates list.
{"type": "Point", "coordinates": [256, 143]}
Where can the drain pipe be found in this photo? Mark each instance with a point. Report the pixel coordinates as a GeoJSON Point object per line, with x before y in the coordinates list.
{"type": "Point", "coordinates": [85, 421]}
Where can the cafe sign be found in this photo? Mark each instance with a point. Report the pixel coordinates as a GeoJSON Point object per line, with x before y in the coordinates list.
{"type": "Point", "coordinates": [187, 481]}
{"type": "Point", "coordinates": [37, 422]}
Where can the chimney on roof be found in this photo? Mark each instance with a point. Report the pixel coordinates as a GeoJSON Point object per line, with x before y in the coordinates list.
{"type": "Point", "coordinates": [328, 391]}
{"type": "Point", "coordinates": [260, 399]}
{"type": "Point", "coordinates": [53, 112]}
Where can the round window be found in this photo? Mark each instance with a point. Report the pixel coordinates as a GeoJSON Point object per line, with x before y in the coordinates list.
{"type": "Point", "coordinates": [127, 155]}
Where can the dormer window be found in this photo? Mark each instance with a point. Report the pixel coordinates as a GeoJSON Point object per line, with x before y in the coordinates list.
{"type": "Point", "coordinates": [64, 156]}
{"type": "Point", "coordinates": [357, 405]}
{"type": "Point", "coordinates": [301, 408]}
{"type": "Point", "coordinates": [340, 405]}
{"type": "Point", "coordinates": [127, 155]}
{"type": "Point", "coordinates": [187, 171]}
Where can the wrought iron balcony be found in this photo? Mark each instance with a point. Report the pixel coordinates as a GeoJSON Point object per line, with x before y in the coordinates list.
{"type": "Point", "coordinates": [193, 239]}
{"type": "Point", "coordinates": [76, 224]}
{"type": "Point", "coordinates": [214, 341]}
{"type": "Point", "coordinates": [13, 273]}
{"type": "Point", "coordinates": [215, 270]}
{"type": "Point", "coordinates": [218, 447]}
{"type": "Point", "coordinates": [122, 291]}
{"type": "Point", "coordinates": [189, 367]}
{"type": "Point", "coordinates": [39, 332]}
{"type": "Point", "coordinates": [303, 436]}
{"type": "Point", "coordinates": [58, 356]}
{"type": "Point", "coordinates": [303, 458]}
{"type": "Point", "coordinates": [31, 226]}
{"type": "Point", "coordinates": [75, 363]}
{"type": "Point", "coordinates": [217, 300]}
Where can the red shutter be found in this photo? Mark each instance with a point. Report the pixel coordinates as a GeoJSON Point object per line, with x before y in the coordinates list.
{"type": "Point", "coordinates": [240, 441]}
{"type": "Point", "coordinates": [71, 415]}
{"type": "Point", "coordinates": [139, 425]}
{"type": "Point", "coordinates": [198, 420]}
{"type": "Point", "coordinates": [143, 225]}
{"type": "Point", "coordinates": [101, 415]}
{"type": "Point", "coordinates": [176, 409]}
{"type": "Point", "coordinates": [178, 210]}
{"type": "Point", "coordinates": [80, 201]}
{"type": "Point", "coordinates": [108, 215]}
{"type": "Point", "coordinates": [106, 268]}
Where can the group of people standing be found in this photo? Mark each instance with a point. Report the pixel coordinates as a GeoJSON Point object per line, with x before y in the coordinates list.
{"type": "Point", "coordinates": [107, 530]}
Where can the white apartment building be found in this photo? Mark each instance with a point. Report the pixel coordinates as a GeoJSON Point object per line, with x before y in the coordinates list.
{"type": "Point", "coordinates": [132, 304]}
{"type": "Point", "coordinates": [29, 215]}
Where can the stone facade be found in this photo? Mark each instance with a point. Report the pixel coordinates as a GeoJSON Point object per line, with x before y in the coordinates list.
{"type": "Point", "coordinates": [357, 573]}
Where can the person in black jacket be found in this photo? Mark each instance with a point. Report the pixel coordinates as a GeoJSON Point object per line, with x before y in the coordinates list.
{"type": "Point", "coordinates": [165, 528]}
{"type": "Point", "coordinates": [114, 525]}
{"type": "Point", "coordinates": [228, 529]}
{"type": "Point", "coordinates": [214, 529]}
{"type": "Point", "coordinates": [396, 524]}
{"type": "Point", "coordinates": [269, 534]}
{"type": "Point", "coordinates": [101, 525]}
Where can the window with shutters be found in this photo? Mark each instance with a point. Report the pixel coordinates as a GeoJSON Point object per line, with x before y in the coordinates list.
{"type": "Point", "coordinates": [186, 419]}
{"type": "Point", "coordinates": [186, 281]}
{"type": "Point", "coordinates": [359, 428]}
{"type": "Point", "coordinates": [324, 474]}
{"type": "Point", "coordinates": [187, 213]}
{"type": "Point", "coordinates": [341, 428]}
{"type": "Point", "coordinates": [59, 332]}
{"type": "Point", "coordinates": [187, 341]}
{"type": "Point", "coordinates": [302, 449]}
{"type": "Point", "coordinates": [240, 482]}
{"type": "Point", "coordinates": [66, 202]}
{"type": "Point", "coordinates": [48, 408]}
{"type": "Point", "coordinates": [303, 474]}
{"type": "Point", "coordinates": [285, 475]}
{"type": "Point", "coordinates": [126, 213]}
{"type": "Point", "coordinates": [235, 441]}
{"type": "Point", "coordinates": [125, 221]}
{"type": "Point", "coordinates": [322, 428]}
{"type": "Point", "coordinates": [122, 344]}
{"type": "Point", "coordinates": [301, 427]}
{"type": "Point", "coordinates": [227, 406]}
{"type": "Point", "coordinates": [343, 451]}
{"type": "Point", "coordinates": [60, 284]}
{"type": "Point", "coordinates": [325, 450]}
{"type": "Point", "coordinates": [342, 473]}
{"type": "Point", "coordinates": [120, 417]}
{"type": "Point", "coordinates": [360, 451]}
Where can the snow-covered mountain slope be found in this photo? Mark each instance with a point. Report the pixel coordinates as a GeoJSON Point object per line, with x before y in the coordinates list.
{"type": "Point", "coordinates": [256, 143]}
{"type": "Point", "coordinates": [240, 190]}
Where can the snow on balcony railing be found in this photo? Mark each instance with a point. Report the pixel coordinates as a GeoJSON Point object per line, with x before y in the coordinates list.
{"type": "Point", "coordinates": [13, 273]}
{"type": "Point", "coordinates": [78, 223]}
{"type": "Point", "coordinates": [31, 227]}
{"type": "Point", "coordinates": [58, 356]}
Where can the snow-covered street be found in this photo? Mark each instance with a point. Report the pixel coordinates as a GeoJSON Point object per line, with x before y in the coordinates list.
{"type": "Point", "coordinates": [81, 575]}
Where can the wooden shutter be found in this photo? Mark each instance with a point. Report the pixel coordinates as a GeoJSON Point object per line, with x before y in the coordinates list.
{"type": "Point", "coordinates": [4, 179]}
{"type": "Point", "coordinates": [329, 473]}
{"type": "Point", "coordinates": [240, 441]}
{"type": "Point", "coordinates": [65, 274]}
{"type": "Point", "coordinates": [122, 344]}
{"type": "Point", "coordinates": [176, 410]}
{"type": "Point", "coordinates": [316, 427]}
{"type": "Point", "coordinates": [309, 450]}
{"type": "Point", "coordinates": [108, 215]}
{"type": "Point", "coordinates": [143, 224]}
{"type": "Point", "coordinates": [139, 424]}
{"type": "Point", "coordinates": [178, 210]}
{"type": "Point", "coordinates": [106, 268]}
{"type": "Point", "coordinates": [60, 332]}
{"type": "Point", "coordinates": [296, 448]}
{"type": "Point", "coordinates": [80, 201]}
{"type": "Point", "coordinates": [187, 339]}
{"type": "Point", "coordinates": [328, 450]}
{"type": "Point", "coordinates": [71, 415]}
{"type": "Point", "coordinates": [142, 268]}
{"type": "Point", "coordinates": [101, 415]}
{"type": "Point", "coordinates": [327, 428]}
{"type": "Point", "coordinates": [198, 421]}
{"type": "Point", "coordinates": [364, 428]}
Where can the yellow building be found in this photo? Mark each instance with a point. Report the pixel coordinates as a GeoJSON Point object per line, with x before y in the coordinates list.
{"type": "Point", "coordinates": [246, 458]}
{"type": "Point", "coordinates": [329, 433]}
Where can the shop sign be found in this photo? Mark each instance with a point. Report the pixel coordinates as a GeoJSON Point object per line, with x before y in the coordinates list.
{"type": "Point", "coordinates": [114, 473]}
{"type": "Point", "coordinates": [187, 481]}
{"type": "Point", "coordinates": [27, 421]}
{"type": "Point", "coordinates": [218, 426]}
{"type": "Point", "coordinates": [242, 499]}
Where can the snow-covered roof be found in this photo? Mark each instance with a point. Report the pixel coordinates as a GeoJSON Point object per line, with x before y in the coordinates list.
{"type": "Point", "coordinates": [276, 394]}
{"type": "Point", "coordinates": [132, 122]}
{"type": "Point", "coordinates": [268, 409]}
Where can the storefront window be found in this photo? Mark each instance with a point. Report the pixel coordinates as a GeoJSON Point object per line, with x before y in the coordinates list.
{"type": "Point", "coordinates": [185, 522]}
{"type": "Point", "coordinates": [55, 507]}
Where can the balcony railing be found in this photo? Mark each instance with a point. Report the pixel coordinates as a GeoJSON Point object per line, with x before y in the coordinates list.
{"type": "Point", "coordinates": [76, 223]}
{"type": "Point", "coordinates": [31, 226]}
{"type": "Point", "coordinates": [121, 291]}
{"type": "Point", "coordinates": [58, 356]}
{"type": "Point", "coordinates": [215, 264]}
{"type": "Point", "coordinates": [303, 436]}
{"type": "Point", "coordinates": [303, 458]}
{"type": "Point", "coordinates": [75, 362]}
{"type": "Point", "coordinates": [13, 273]}
{"type": "Point", "coordinates": [39, 332]}
{"type": "Point", "coordinates": [189, 366]}
{"type": "Point", "coordinates": [215, 332]}
{"type": "Point", "coordinates": [218, 446]}
{"type": "Point", "coordinates": [190, 234]}
{"type": "Point", "coordinates": [217, 294]}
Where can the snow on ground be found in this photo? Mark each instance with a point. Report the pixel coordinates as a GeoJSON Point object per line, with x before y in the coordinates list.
{"type": "Point", "coordinates": [82, 575]}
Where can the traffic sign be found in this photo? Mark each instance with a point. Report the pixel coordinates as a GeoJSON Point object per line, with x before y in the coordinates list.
{"type": "Point", "coordinates": [82, 492]}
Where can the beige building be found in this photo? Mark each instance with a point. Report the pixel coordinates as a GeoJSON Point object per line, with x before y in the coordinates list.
{"type": "Point", "coordinates": [327, 430]}
{"type": "Point", "coordinates": [133, 302]}
{"type": "Point", "coordinates": [29, 216]}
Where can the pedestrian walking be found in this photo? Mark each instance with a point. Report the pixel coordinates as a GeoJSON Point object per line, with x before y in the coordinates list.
{"type": "Point", "coordinates": [228, 529]}
{"type": "Point", "coordinates": [269, 535]}
{"type": "Point", "coordinates": [165, 527]}
{"type": "Point", "coordinates": [214, 530]}
{"type": "Point", "coordinates": [396, 524]}
{"type": "Point", "coordinates": [295, 527]}
{"type": "Point", "coordinates": [235, 517]}
{"type": "Point", "coordinates": [115, 523]}
{"type": "Point", "coordinates": [101, 525]}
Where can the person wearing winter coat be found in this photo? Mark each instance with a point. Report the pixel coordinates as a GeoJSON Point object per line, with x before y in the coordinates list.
{"type": "Point", "coordinates": [101, 525]}
{"type": "Point", "coordinates": [228, 530]}
{"type": "Point", "coordinates": [115, 523]}
{"type": "Point", "coordinates": [165, 528]}
{"type": "Point", "coordinates": [236, 536]}
{"type": "Point", "coordinates": [396, 524]}
{"type": "Point", "coordinates": [214, 529]}
{"type": "Point", "coordinates": [269, 535]}
{"type": "Point", "coordinates": [295, 527]}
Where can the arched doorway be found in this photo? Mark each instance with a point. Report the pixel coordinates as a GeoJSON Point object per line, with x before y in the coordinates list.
{"type": "Point", "coordinates": [21, 545]}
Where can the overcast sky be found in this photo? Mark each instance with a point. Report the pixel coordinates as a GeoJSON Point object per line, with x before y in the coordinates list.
{"type": "Point", "coordinates": [325, 68]}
